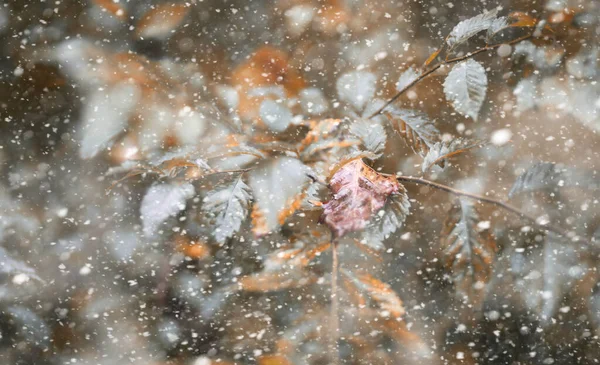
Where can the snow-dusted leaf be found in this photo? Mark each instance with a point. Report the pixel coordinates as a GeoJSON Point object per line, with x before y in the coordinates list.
{"type": "Point", "coordinates": [106, 115]}
{"type": "Point", "coordinates": [275, 115]}
{"type": "Point", "coordinates": [466, 29]}
{"type": "Point", "coordinates": [356, 88]}
{"type": "Point", "coordinates": [161, 21]}
{"type": "Point", "coordinates": [275, 184]}
{"type": "Point", "coordinates": [163, 201]}
{"type": "Point", "coordinates": [466, 86]}
{"type": "Point", "coordinates": [415, 127]}
{"type": "Point", "coordinates": [358, 193]}
{"type": "Point", "coordinates": [407, 78]}
{"type": "Point", "coordinates": [584, 65]}
{"type": "Point", "coordinates": [496, 26]}
{"type": "Point", "coordinates": [371, 134]}
{"type": "Point", "coordinates": [388, 220]}
{"type": "Point", "coordinates": [230, 206]}
{"type": "Point", "coordinates": [469, 248]}
{"type": "Point", "coordinates": [441, 151]}
{"type": "Point", "coordinates": [550, 176]}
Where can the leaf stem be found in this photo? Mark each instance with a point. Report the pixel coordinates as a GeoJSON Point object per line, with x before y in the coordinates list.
{"type": "Point", "coordinates": [483, 199]}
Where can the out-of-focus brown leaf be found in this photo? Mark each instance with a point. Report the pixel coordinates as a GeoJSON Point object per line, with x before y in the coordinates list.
{"type": "Point", "coordinates": [358, 193]}
{"type": "Point", "coordinates": [194, 249]}
{"type": "Point", "coordinates": [268, 66]}
{"type": "Point", "coordinates": [379, 292]}
{"type": "Point", "coordinates": [432, 57]}
{"type": "Point", "coordinates": [469, 247]}
{"type": "Point", "coordinates": [112, 7]}
{"type": "Point", "coordinates": [283, 269]}
{"type": "Point", "coordinates": [522, 20]}
{"type": "Point", "coordinates": [320, 130]}
{"type": "Point", "coordinates": [161, 20]}
{"type": "Point", "coordinates": [273, 360]}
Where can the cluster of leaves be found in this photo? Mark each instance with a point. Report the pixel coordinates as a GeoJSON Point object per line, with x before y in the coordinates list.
{"type": "Point", "coordinates": [261, 169]}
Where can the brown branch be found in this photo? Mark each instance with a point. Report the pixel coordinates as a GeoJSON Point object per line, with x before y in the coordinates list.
{"type": "Point", "coordinates": [444, 63]}
{"type": "Point", "coordinates": [483, 199]}
{"type": "Point", "coordinates": [334, 355]}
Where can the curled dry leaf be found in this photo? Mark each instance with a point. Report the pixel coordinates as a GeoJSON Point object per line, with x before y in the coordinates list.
{"type": "Point", "coordinates": [160, 21]}
{"type": "Point", "coordinates": [469, 249]}
{"type": "Point", "coordinates": [379, 292]}
{"type": "Point", "coordinates": [358, 193]}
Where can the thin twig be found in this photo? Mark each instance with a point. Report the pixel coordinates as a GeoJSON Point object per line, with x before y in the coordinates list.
{"type": "Point", "coordinates": [334, 335]}
{"type": "Point", "coordinates": [483, 199]}
{"type": "Point", "coordinates": [444, 63]}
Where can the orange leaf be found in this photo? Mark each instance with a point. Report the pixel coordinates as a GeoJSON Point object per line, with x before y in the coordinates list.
{"type": "Point", "coordinates": [161, 21]}
{"type": "Point", "coordinates": [112, 7]}
{"type": "Point", "coordinates": [522, 20]}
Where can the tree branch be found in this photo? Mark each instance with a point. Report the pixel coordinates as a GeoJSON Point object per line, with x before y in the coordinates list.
{"type": "Point", "coordinates": [444, 63]}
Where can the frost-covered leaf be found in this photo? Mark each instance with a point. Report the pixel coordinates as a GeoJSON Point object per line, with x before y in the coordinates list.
{"type": "Point", "coordinates": [161, 21]}
{"type": "Point", "coordinates": [466, 86]}
{"type": "Point", "coordinates": [418, 131]}
{"type": "Point", "coordinates": [550, 176]}
{"type": "Point", "coordinates": [275, 184]}
{"type": "Point", "coordinates": [105, 115]}
{"type": "Point", "coordinates": [230, 206]}
{"type": "Point", "coordinates": [388, 220]}
{"type": "Point", "coordinates": [356, 88]}
{"type": "Point", "coordinates": [441, 151]}
{"type": "Point", "coordinates": [526, 93]}
{"type": "Point", "coordinates": [29, 326]}
{"type": "Point", "coordinates": [496, 26]}
{"type": "Point", "coordinates": [313, 101]}
{"type": "Point", "coordinates": [358, 193]}
{"type": "Point", "coordinates": [380, 292]}
{"type": "Point", "coordinates": [407, 78]}
{"type": "Point", "coordinates": [466, 29]}
{"type": "Point", "coordinates": [371, 134]}
{"type": "Point", "coordinates": [275, 115]}
{"type": "Point", "coordinates": [546, 272]}
{"type": "Point", "coordinates": [163, 201]}
{"type": "Point", "coordinates": [13, 267]}
{"type": "Point", "coordinates": [469, 248]}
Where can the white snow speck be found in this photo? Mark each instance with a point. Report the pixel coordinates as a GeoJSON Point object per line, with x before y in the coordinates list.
{"type": "Point", "coordinates": [501, 137]}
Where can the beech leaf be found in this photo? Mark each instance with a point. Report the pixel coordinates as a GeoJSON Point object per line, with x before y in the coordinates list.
{"type": "Point", "coordinates": [418, 131]}
{"type": "Point", "coordinates": [371, 134]}
{"type": "Point", "coordinates": [466, 86]}
{"type": "Point", "coordinates": [388, 220]}
{"type": "Point", "coordinates": [469, 249]}
{"type": "Point", "coordinates": [407, 77]}
{"type": "Point", "coordinates": [229, 205]}
{"type": "Point", "coordinates": [441, 151]}
{"type": "Point", "coordinates": [356, 88]}
{"type": "Point", "coordinates": [466, 29]}
{"type": "Point", "coordinates": [358, 193]}
{"type": "Point", "coordinates": [163, 201]}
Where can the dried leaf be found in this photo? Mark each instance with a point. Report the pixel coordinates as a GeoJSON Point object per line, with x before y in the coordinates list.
{"type": "Point", "coordinates": [356, 88]}
{"type": "Point", "coordinates": [469, 249]}
{"type": "Point", "coordinates": [444, 150]}
{"type": "Point", "coordinates": [112, 7]}
{"type": "Point", "coordinates": [466, 29]}
{"type": "Point", "coordinates": [230, 206]}
{"type": "Point", "coordinates": [522, 20]}
{"type": "Point", "coordinates": [275, 184]}
{"type": "Point", "coordinates": [358, 193]}
{"type": "Point", "coordinates": [163, 201]}
{"type": "Point", "coordinates": [466, 86]}
{"type": "Point", "coordinates": [379, 292]}
{"type": "Point", "coordinates": [161, 21]}
{"type": "Point", "coordinates": [371, 134]}
{"type": "Point", "coordinates": [407, 78]}
{"type": "Point", "coordinates": [388, 221]}
{"type": "Point", "coordinates": [417, 130]}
